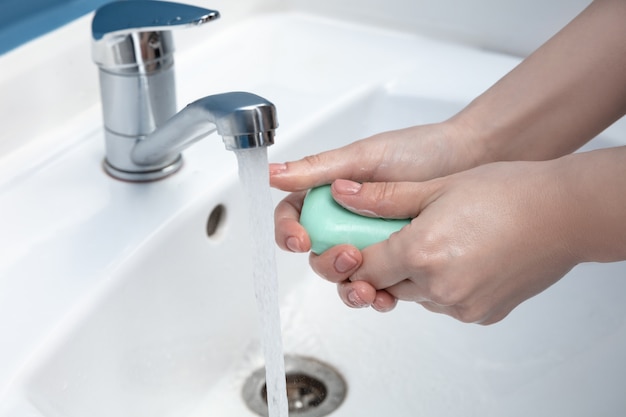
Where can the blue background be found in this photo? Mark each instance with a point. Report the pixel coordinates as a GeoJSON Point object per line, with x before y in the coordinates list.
{"type": "Point", "coordinates": [23, 20]}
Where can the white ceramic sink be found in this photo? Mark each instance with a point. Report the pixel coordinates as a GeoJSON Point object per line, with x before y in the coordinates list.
{"type": "Point", "coordinates": [114, 300]}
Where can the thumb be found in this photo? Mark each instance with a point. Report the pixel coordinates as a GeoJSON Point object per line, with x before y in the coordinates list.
{"type": "Point", "coordinates": [352, 161]}
{"type": "Point", "coordinates": [389, 200]}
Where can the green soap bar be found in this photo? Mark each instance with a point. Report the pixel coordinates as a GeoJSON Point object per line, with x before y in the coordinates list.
{"type": "Point", "coordinates": [329, 224]}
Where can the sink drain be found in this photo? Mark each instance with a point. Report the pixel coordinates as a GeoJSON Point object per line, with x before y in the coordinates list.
{"type": "Point", "coordinates": [314, 389]}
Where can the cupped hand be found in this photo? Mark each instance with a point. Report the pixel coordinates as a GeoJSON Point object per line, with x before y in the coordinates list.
{"type": "Point", "coordinates": [413, 154]}
{"type": "Point", "coordinates": [336, 264]}
{"type": "Point", "coordinates": [481, 241]}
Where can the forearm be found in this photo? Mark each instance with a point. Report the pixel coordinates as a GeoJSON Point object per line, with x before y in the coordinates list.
{"type": "Point", "coordinates": [594, 192]}
{"type": "Point", "coordinates": [561, 96]}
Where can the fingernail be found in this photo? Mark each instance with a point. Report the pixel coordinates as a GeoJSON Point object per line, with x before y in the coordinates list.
{"type": "Point", "coordinates": [276, 169]}
{"type": "Point", "coordinates": [346, 187]}
{"type": "Point", "coordinates": [382, 306]}
{"type": "Point", "coordinates": [344, 263]}
{"type": "Point", "coordinates": [355, 300]}
{"type": "Point", "coordinates": [293, 244]}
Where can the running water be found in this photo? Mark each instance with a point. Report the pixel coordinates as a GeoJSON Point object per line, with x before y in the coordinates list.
{"type": "Point", "coordinates": [254, 175]}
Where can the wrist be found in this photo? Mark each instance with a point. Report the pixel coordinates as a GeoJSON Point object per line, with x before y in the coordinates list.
{"type": "Point", "coordinates": [462, 145]}
{"type": "Point", "coordinates": [500, 128]}
{"type": "Point", "coordinates": [594, 189]}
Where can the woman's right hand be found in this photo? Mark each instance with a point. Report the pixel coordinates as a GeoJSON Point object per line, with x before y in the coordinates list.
{"type": "Point", "coordinates": [417, 153]}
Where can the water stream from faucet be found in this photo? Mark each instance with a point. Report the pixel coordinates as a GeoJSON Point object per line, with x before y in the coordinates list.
{"type": "Point", "coordinates": [254, 176]}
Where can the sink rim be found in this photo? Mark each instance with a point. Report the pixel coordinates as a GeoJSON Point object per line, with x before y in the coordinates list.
{"type": "Point", "coordinates": [83, 152]}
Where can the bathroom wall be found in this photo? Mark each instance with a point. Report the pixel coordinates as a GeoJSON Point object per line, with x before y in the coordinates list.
{"type": "Point", "coordinates": [59, 64]}
{"type": "Point", "coordinates": [21, 21]}
{"type": "Point", "coordinates": [512, 26]}
{"type": "Point", "coordinates": [51, 80]}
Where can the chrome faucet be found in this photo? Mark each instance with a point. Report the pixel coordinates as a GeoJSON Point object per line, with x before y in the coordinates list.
{"type": "Point", "coordinates": [133, 48]}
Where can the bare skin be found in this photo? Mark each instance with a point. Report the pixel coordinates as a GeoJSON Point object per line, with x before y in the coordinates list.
{"type": "Point", "coordinates": [502, 210]}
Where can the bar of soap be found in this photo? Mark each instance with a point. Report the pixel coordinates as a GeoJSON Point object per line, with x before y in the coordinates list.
{"type": "Point", "coordinates": [329, 224]}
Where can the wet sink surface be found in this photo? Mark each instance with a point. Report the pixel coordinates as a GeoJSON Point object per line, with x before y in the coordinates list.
{"type": "Point", "coordinates": [144, 314]}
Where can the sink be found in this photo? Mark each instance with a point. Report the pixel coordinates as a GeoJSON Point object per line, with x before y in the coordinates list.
{"type": "Point", "coordinates": [136, 300]}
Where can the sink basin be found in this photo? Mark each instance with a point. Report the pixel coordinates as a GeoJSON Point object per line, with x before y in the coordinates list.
{"type": "Point", "coordinates": [136, 299]}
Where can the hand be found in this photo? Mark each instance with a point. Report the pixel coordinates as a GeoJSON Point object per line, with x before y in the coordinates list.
{"type": "Point", "coordinates": [481, 242]}
{"type": "Point", "coordinates": [413, 154]}
{"type": "Point", "coordinates": [545, 108]}
{"type": "Point", "coordinates": [417, 153]}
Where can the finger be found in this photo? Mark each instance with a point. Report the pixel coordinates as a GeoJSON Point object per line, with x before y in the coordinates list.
{"type": "Point", "coordinates": [289, 233]}
{"type": "Point", "coordinates": [337, 263]}
{"type": "Point", "coordinates": [387, 264]}
{"type": "Point", "coordinates": [384, 301]}
{"type": "Point", "coordinates": [409, 290]}
{"type": "Point", "coordinates": [361, 294]}
{"type": "Point", "coordinates": [356, 294]}
{"type": "Point", "coordinates": [352, 161]}
{"type": "Point", "coordinates": [391, 200]}
{"type": "Point", "coordinates": [435, 308]}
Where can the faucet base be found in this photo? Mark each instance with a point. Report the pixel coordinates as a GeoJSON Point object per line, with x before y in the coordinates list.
{"type": "Point", "coordinates": [144, 176]}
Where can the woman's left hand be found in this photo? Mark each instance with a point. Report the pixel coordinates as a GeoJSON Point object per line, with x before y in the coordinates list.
{"type": "Point", "coordinates": [481, 242]}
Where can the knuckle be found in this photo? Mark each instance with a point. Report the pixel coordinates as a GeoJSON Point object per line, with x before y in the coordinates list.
{"type": "Point", "coordinates": [312, 160]}
{"type": "Point", "coordinates": [377, 198]}
{"type": "Point", "coordinates": [470, 314]}
{"type": "Point", "coordinates": [445, 293]}
{"type": "Point", "coordinates": [430, 262]}
{"type": "Point", "coordinates": [384, 192]}
{"type": "Point", "coordinates": [424, 257]}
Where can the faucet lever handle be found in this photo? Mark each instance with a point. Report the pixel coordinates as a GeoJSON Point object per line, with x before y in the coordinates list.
{"type": "Point", "coordinates": [134, 36]}
{"type": "Point", "coordinates": [124, 17]}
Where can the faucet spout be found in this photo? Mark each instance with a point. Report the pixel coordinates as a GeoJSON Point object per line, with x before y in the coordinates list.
{"type": "Point", "coordinates": [244, 120]}
{"type": "Point", "coordinates": [144, 136]}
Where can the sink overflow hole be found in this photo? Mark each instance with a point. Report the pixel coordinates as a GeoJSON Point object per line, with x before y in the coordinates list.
{"type": "Point", "coordinates": [216, 221]}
